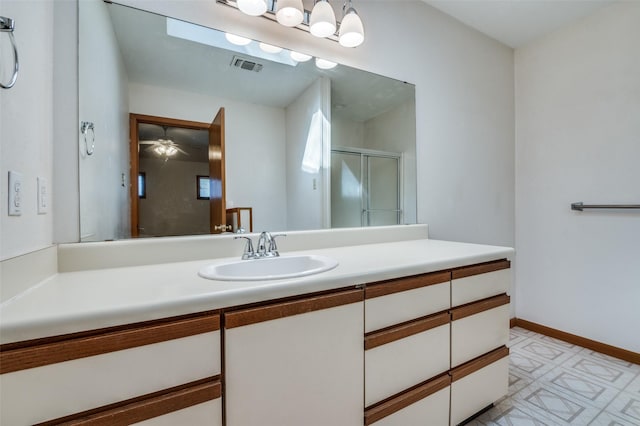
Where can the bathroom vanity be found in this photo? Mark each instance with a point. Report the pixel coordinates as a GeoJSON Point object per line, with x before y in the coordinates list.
{"type": "Point", "coordinates": [411, 331]}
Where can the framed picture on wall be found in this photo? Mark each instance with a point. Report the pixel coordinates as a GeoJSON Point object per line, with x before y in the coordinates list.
{"type": "Point", "coordinates": [202, 187]}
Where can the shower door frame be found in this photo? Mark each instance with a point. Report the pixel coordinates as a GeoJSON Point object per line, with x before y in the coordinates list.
{"type": "Point", "coordinates": [365, 217]}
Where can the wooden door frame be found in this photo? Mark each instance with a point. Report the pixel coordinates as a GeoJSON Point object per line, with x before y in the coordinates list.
{"type": "Point", "coordinates": [134, 120]}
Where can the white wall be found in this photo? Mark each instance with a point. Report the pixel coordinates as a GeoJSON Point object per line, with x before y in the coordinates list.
{"type": "Point", "coordinates": [346, 133]}
{"type": "Point", "coordinates": [306, 119]}
{"type": "Point", "coordinates": [395, 131]}
{"type": "Point", "coordinates": [578, 139]}
{"type": "Point", "coordinates": [26, 125]}
{"type": "Point", "coordinates": [171, 205]}
{"type": "Point", "coordinates": [254, 151]}
{"type": "Point", "coordinates": [104, 100]}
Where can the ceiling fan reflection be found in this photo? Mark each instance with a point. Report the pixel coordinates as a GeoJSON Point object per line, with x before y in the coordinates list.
{"type": "Point", "coordinates": [163, 147]}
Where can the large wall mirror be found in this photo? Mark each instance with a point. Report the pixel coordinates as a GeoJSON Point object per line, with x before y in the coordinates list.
{"type": "Point", "coordinates": [302, 147]}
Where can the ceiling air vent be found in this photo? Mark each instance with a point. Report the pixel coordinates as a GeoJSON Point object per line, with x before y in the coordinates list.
{"type": "Point", "coordinates": [246, 64]}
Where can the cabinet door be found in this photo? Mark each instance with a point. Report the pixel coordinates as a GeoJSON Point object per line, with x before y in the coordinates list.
{"type": "Point", "coordinates": [296, 363]}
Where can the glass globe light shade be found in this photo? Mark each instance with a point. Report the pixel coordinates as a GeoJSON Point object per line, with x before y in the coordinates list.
{"type": "Point", "coordinates": [299, 57]}
{"type": "Point", "coordinates": [351, 32]}
{"type": "Point", "coordinates": [323, 20]}
{"type": "Point", "coordinates": [289, 12]}
{"type": "Point", "coordinates": [324, 64]}
{"type": "Point", "coordinates": [252, 7]}
{"type": "Point", "coordinates": [236, 39]}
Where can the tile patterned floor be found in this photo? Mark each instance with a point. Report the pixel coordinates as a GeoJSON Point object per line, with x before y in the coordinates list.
{"type": "Point", "coordinates": [552, 383]}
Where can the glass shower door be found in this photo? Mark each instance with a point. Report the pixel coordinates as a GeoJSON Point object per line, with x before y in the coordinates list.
{"type": "Point", "coordinates": [346, 189]}
{"type": "Point", "coordinates": [383, 191]}
{"type": "Point", "coordinates": [365, 188]}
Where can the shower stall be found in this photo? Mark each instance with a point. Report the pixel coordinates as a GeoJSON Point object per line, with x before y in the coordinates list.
{"type": "Point", "coordinates": [366, 187]}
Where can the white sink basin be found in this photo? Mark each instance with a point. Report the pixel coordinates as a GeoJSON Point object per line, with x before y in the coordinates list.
{"type": "Point", "coordinates": [270, 268]}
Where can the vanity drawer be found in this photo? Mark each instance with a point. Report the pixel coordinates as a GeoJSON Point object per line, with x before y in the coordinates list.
{"type": "Point", "coordinates": [71, 375]}
{"type": "Point", "coordinates": [424, 404]}
{"type": "Point", "coordinates": [205, 414]}
{"type": "Point", "coordinates": [479, 383]}
{"type": "Point", "coordinates": [476, 282]}
{"type": "Point", "coordinates": [398, 357]}
{"type": "Point", "coordinates": [478, 328]}
{"type": "Point", "coordinates": [396, 301]}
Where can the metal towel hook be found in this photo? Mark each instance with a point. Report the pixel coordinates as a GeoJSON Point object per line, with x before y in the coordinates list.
{"type": "Point", "coordinates": [6, 26]}
{"type": "Point", "coordinates": [85, 126]}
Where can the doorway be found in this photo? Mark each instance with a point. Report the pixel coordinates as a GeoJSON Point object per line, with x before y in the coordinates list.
{"type": "Point", "coordinates": [177, 176]}
{"type": "Point", "coordinates": [365, 188]}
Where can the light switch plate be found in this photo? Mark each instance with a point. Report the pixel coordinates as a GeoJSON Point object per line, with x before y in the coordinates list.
{"type": "Point", "coordinates": [15, 193]}
{"type": "Point", "coordinates": [43, 196]}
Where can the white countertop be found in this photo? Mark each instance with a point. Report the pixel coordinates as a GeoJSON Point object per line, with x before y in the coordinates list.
{"type": "Point", "coordinates": [85, 300]}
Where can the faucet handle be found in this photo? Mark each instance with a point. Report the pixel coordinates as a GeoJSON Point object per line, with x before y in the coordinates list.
{"type": "Point", "coordinates": [273, 247]}
{"type": "Point", "coordinates": [248, 248]}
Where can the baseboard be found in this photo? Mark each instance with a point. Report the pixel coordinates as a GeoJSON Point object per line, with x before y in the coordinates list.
{"type": "Point", "coordinates": [603, 348]}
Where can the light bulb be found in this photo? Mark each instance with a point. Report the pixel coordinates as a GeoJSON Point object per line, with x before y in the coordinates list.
{"type": "Point", "coordinates": [323, 20]}
{"type": "Point", "coordinates": [323, 64]}
{"type": "Point", "coordinates": [299, 57]}
{"type": "Point", "coordinates": [171, 150]}
{"type": "Point", "coordinates": [269, 48]}
{"type": "Point", "coordinates": [351, 32]}
{"type": "Point", "coordinates": [289, 12]}
{"type": "Point", "coordinates": [252, 7]}
{"type": "Point", "coordinates": [236, 39]}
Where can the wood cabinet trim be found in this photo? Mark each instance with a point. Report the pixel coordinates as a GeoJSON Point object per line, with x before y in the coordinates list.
{"type": "Point", "coordinates": [405, 398]}
{"type": "Point", "coordinates": [383, 288]}
{"type": "Point", "coordinates": [478, 363]}
{"type": "Point", "coordinates": [273, 311]}
{"type": "Point", "coordinates": [400, 331]}
{"type": "Point", "coordinates": [147, 406]}
{"type": "Point", "coordinates": [480, 268]}
{"type": "Point", "coordinates": [479, 306]}
{"type": "Point", "coordinates": [80, 347]}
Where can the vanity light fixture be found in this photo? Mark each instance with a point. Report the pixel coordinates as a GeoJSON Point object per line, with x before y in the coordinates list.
{"type": "Point", "coordinates": [299, 57]}
{"type": "Point", "coordinates": [320, 21]}
{"type": "Point", "coordinates": [351, 32]}
{"type": "Point", "coordinates": [324, 64]}
{"type": "Point", "coordinates": [269, 48]}
{"type": "Point", "coordinates": [289, 12]}
{"type": "Point", "coordinates": [236, 39]}
{"type": "Point", "coordinates": [252, 7]}
{"type": "Point", "coordinates": [323, 19]}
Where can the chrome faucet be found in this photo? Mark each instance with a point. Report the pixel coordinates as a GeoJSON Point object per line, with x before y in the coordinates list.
{"type": "Point", "coordinates": [266, 246]}
{"type": "Point", "coordinates": [248, 252]}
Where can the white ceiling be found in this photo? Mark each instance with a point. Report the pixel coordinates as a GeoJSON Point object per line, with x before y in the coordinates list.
{"type": "Point", "coordinates": [517, 22]}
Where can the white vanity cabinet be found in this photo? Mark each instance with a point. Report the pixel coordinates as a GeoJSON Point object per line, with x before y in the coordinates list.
{"type": "Point", "coordinates": [479, 335]}
{"type": "Point", "coordinates": [122, 375]}
{"type": "Point", "coordinates": [407, 350]}
{"type": "Point", "coordinates": [295, 362]}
